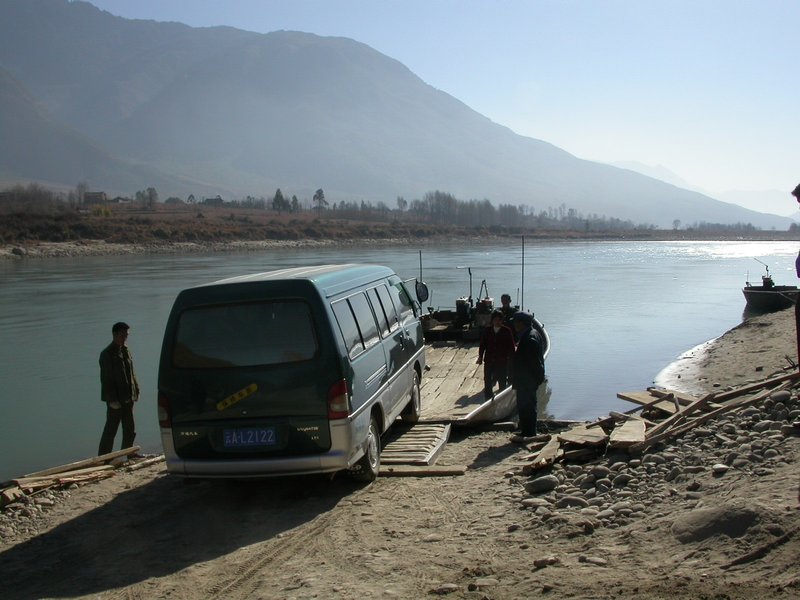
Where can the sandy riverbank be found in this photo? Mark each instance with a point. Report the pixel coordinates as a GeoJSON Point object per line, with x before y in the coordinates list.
{"type": "Point", "coordinates": [711, 515]}
{"type": "Point", "coordinates": [101, 248]}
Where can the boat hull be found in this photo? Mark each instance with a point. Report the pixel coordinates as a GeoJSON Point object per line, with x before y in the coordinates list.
{"type": "Point", "coordinates": [770, 299]}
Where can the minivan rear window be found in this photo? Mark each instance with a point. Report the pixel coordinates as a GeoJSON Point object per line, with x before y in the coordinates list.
{"type": "Point", "coordinates": [245, 335]}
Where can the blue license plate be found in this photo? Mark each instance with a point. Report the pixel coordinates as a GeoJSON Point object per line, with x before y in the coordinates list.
{"type": "Point", "coordinates": [249, 437]}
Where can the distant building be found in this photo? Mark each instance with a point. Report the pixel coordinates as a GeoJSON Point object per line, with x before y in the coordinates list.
{"type": "Point", "coordinates": [92, 198]}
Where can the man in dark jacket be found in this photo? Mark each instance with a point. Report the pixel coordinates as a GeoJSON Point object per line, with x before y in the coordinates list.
{"type": "Point", "coordinates": [118, 389]}
{"type": "Point", "coordinates": [528, 371]}
{"type": "Point", "coordinates": [495, 352]}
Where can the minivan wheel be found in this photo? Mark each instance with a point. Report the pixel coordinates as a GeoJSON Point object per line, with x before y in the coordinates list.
{"type": "Point", "coordinates": [368, 466]}
{"type": "Point", "coordinates": [412, 411]}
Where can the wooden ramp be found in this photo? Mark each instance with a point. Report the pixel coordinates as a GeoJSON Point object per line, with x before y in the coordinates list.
{"type": "Point", "coordinates": [419, 444]}
{"type": "Point", "coordinates": [452, 387]}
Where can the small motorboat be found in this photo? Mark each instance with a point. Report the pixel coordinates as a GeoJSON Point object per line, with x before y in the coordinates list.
{"type": "Point", "coordinates": [769, 297]}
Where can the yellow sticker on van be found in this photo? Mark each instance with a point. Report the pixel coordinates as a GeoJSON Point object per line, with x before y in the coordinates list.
{"type": "Point", "coordinates": [237, 397]}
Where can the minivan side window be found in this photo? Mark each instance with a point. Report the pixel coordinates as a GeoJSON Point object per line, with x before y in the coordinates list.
{"type": "Point", "coordinates": [348, 327]}
{"type": "Point", "coordinates": [357, 323]}
{"type": "Point", "coordinates": [365, 319]}
{"type": "Point", "coordinates": [384, 309]}
{"type": "Point", "coordinates": [244, 335]}
{"type": "Point", "coordinates": [403, 301]}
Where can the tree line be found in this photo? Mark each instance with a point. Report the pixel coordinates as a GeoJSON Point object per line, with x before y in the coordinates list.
{"type": "Point", "coordinates": [435, 207]}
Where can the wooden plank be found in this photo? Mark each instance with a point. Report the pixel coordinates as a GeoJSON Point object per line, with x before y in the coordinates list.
{"type": "Point", "coordinates": [723, 396]}
{"type": "Point", "coordinates": [697, 405]}
{"type": "Point", "coordinates": [647, 400]}
{"type": "Point", "coordinates": [96, 460]}
{"type": "Point", "coordinates": [145, 463]}
{"type": "Point", "coordinates": [627, 433]}
{"type": "Point", "coordinates": [10, 494]}
{"type": "Point", "coordinates": [618, 416]}
{"type": "Point", "coordinates": [34, 479]}
{"type": "Point", "coordinates": [583, 436]}
{"type": "Point", "coordinates": [684, 399]}
{"type": "Point", "coordinates": [413, 471]}
{"type": "Point", "coordinates": [547, 455]}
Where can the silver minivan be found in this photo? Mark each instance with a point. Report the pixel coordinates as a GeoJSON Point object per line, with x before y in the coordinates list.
{"type": "Point", "coordinates": [287, 372]}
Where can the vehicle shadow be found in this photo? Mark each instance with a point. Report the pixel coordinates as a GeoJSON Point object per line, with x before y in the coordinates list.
{"type": "Point", "coordinates": [159, 529]}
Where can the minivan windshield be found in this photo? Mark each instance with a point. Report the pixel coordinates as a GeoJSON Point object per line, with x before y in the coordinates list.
{"type": "Point", "coordinates": [245, 335]}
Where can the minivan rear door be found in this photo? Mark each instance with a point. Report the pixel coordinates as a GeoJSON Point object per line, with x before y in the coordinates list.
{"type": "Point", "coordinates": [249, 376]}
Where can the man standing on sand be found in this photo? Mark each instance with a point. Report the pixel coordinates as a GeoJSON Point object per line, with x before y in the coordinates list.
{"type": "Point", "coordinates": [495, 352]}
{"type": "Point", "coordinates": [118, 389]}
{"type": "Point", "coordinates": [796, 194]}
{"type": "Point", "coordinates": [528, 371]}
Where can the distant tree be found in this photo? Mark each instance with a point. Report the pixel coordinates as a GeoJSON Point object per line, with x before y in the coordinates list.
{"type": "Point", "coordinates": [279, 202]}
{"type": "Point", "coordinates": [190, 199]}
{"type": "Point", "coordinates": [80, 192]}
{"type": "Point", "coordinates": [402, 203]}
{"type": "Point", "coordinates": [152, 197]}
{"type": "Point", "coordinates": [319, 199]}
{"type": "Point", "coordinates": [295, 204]}
{"type": "Point", "coordinates": [173, 200]}
{"type": "Point", "coordinates": [676, 224]}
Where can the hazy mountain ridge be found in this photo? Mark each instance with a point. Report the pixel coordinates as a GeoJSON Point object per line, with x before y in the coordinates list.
{"type": "Point", "coordinates": [769, 201]}
{"type": "Point", "coordinates": [245, 113]}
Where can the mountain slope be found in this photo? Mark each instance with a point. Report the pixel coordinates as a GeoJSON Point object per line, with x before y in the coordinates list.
{"type": "Point", "coordinates": [37, 147]}
{"type": "Point", "coordinates": [250, 112]}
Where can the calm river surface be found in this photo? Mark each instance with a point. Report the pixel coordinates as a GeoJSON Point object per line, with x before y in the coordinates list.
{"type": "Point", "coordinates": [617, 314]}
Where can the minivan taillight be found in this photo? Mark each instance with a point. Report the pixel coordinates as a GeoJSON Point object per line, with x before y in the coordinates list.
{"type": "Point", "coordinates": [164, 418]}
{"type": "Point", "coordinates": [338, 401]}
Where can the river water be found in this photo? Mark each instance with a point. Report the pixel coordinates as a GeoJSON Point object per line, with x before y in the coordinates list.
{"type": "Point", "coordinates": [617, 314]}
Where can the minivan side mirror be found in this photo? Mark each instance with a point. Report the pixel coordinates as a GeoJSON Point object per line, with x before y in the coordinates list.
{"type": "Point", "coordinates": [421, 290]}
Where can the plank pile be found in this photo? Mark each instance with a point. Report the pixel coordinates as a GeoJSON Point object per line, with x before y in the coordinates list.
{"type": "Point", "coordinates": [80, 472]}
{"type": "Point", "coordinates": [659, 415]}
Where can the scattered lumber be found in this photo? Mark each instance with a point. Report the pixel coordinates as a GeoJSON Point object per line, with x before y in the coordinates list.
{"type": "Point", "coordinates": [79, 472]}
{"type": "Point", "coordinates": [673, 414]}
{"type": "Point", "coordinates": [87, 462]}
{"type": "Point", "coordinates": [37, 479]}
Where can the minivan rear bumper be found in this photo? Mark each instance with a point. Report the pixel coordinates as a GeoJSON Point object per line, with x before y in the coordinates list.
{"type": "Point", "coordinates": [340, 456]}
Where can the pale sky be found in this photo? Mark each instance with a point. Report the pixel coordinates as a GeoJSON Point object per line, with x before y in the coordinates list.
{"type": "Point", "coordinates": [710, 89]}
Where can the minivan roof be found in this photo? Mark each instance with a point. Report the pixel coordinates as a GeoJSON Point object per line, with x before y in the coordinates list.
{"type": "Point", "coordinates": [330, 279]}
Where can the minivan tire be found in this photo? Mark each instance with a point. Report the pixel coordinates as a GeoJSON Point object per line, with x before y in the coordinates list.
{"type": "Point", "coordinates": [369, 465]}
{"type": "Point", "coordinates": [412, 412]}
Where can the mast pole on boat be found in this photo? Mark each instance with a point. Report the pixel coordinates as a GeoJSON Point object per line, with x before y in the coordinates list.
{"type": "Point", "coordinates": [522, 295]}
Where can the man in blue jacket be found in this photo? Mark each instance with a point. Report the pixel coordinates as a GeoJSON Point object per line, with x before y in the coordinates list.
{"type": "Point", "coordinates": [528, 371]}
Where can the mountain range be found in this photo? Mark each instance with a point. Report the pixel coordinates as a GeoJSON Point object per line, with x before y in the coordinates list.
{"type": "Point", "coordinates": [127, 104]}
